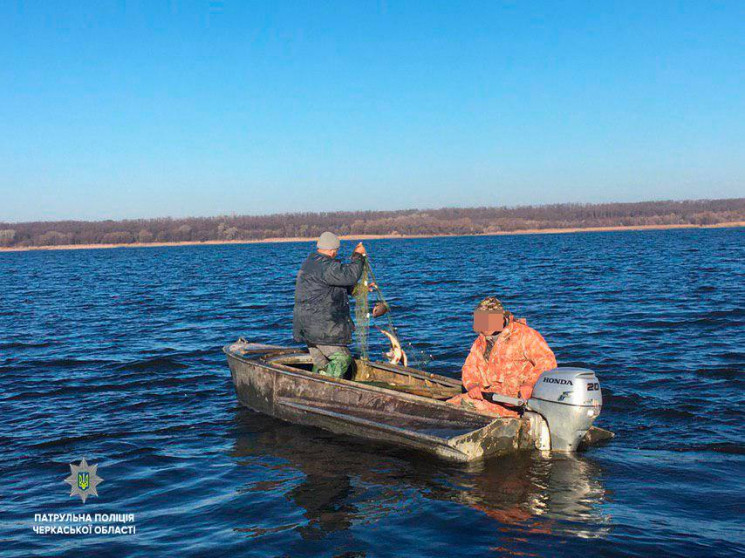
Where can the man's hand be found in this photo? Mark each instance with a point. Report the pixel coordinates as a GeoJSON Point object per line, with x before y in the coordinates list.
{"type": "Point", "coordinates": [360, 249]}
{"type": "Point", "coordinates": [475, 393]}
{"type": "Point", "coordinates": [526, 390]}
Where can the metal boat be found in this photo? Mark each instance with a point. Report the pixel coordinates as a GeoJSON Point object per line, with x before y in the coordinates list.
{"type": "Point", "coordinates": [406, 407]}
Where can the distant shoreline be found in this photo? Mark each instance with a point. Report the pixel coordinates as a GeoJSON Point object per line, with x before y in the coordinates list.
{"type": "Point", "coordinates": [370, 237]}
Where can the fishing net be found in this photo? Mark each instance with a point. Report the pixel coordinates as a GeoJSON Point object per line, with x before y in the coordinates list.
{"type": "Point", "coordinates": [364, 314]}
{"type": "Point", "coordinates": [361, 294]}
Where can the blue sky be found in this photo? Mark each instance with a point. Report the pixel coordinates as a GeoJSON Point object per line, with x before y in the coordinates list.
{"type": "Point", "coordinates": [144, 109]}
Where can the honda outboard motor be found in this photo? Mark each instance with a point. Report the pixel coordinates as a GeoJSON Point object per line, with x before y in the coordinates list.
{"type": "Point", "coordinates": [569, 399]}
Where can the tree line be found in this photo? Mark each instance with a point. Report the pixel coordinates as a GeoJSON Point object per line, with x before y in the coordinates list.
{"type": "Point", "coordinates": [446, 221]}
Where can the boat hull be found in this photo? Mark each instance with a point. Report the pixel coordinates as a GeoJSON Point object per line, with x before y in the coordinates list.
{"type": "Point", "coordinates": [274, 382]}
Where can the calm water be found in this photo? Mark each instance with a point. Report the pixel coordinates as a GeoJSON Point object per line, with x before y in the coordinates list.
{"type": "Point", "coordinates": [114, 355]}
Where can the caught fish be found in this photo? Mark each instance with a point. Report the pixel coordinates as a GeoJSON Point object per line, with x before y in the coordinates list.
{"type": "Point", "coordinates": [396, 354]}
{"type": "Point", "coordinates": [380, 309]}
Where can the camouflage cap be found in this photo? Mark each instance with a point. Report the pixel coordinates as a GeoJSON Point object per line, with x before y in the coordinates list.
{"type": "Point", "coordinates": [492, 304]}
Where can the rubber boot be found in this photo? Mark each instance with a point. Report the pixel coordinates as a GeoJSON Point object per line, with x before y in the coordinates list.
{"type": "Point", "coordinates": [338, 365]}
{"type": "Point", "coordinates": [321, 371]}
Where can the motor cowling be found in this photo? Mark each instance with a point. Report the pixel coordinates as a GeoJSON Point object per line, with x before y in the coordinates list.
{"type": "Point", "coordinates": [569, 400]}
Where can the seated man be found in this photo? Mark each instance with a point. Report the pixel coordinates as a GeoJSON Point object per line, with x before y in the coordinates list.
{"type": "Point", "coordinates": [506, 358]}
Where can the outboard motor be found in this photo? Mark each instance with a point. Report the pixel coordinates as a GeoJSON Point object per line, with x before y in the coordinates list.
{"type": "Point", "coordinates": [569, 399]}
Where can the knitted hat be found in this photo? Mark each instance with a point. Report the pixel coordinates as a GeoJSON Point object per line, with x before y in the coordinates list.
{"type": "Point", "coordinates": [328, 241]}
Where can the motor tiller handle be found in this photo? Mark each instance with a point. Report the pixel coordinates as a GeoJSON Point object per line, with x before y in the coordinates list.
{"type": "Point", "coordinates": [496, 398]}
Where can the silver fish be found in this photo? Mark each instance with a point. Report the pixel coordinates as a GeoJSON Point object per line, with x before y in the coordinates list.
{"type": "Point", "coordinates": [396, 354]}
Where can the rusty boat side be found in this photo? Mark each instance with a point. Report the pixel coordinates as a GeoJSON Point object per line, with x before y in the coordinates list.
{"type": "Point", "coordinates": [380, 402]}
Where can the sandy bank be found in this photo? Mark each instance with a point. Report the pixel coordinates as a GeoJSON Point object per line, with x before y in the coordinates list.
{"type": "Point", "coordinates": [372, 237]}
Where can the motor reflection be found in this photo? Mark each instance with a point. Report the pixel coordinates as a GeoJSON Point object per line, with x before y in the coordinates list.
{"type": "Point", "coordinates": [549, 492]}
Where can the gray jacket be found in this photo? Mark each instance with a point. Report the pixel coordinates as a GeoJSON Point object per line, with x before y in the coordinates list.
{"type": "Point", "coordinates": [322, 288]}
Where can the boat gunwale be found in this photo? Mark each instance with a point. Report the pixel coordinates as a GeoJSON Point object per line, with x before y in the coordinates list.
{"type": "Point", "coordinates": [286, 369]}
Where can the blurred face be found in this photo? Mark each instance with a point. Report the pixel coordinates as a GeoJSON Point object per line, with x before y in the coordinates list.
{"type": "Point", "coordinates": [488, 322]}
{"type": "Point", "coordinates": [329, 253]}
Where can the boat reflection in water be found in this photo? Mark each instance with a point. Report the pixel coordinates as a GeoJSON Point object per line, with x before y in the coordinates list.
{"type": "Point", "coordinates": [339, 482]}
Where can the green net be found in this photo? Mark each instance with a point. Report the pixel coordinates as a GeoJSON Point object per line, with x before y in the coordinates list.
{"type": "Point", "coordinates": [364, 313]}
{"type": "Point", "coordinates": [361, 295]}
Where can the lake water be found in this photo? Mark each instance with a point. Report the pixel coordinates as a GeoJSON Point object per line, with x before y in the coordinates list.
{"type": "Point", "coordinates": [115, 356]}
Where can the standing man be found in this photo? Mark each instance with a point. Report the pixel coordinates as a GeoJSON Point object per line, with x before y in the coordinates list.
{"type": "Point", "coordinates": [321, 317]}
{"type": "Point", "coordinates": [507, 358]}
